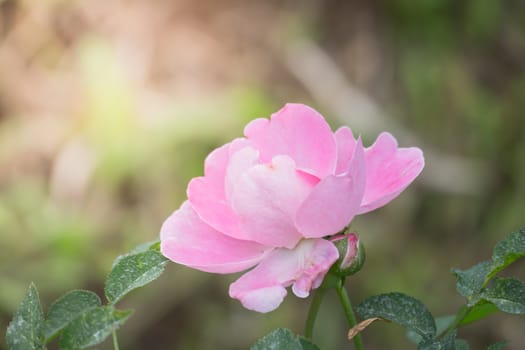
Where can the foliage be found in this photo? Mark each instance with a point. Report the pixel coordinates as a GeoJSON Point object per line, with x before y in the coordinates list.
{"type": "Point", "coordinates": [133, 271]}
{"type": "Point", "coordinates": [80, 321]}
{"type": "Point", "coordinates": [281, 338]}
{"type": "Point", "coordinates": [78, 317]}
{"type": "Point", "coordinates": [402, 309]}
{"type": "Point", "coordinates": [484, 292]}
{"type": "Point", "coordinates": [67, 308]}
{"type": "Point", "coordinates": [92, 327]}
{"type": "Point", "coordinates": [26, 330]}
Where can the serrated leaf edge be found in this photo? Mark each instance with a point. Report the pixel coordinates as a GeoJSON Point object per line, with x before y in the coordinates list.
{"type": "Point", "coordinates": [162, 264]}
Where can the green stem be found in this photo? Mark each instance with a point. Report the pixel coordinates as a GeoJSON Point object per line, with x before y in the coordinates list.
{"type": "Point", "coordinates": [115, 341]}
{"type": "Point", "coordinates": [460, 316]}
{"type": "Point", "coordinates": [312, 313]}
{"type": "Point", "coordinates": [349, 312]}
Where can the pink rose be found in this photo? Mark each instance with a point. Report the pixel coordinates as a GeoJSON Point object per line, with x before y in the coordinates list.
{"type": "Point", "coordinates": [267, 200]}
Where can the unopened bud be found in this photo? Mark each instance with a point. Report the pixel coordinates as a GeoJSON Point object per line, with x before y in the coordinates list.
{"type": "Point", "coordinates": [351, 253]}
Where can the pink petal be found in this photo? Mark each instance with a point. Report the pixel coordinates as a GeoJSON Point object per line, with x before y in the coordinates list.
{"type": "Point", "coordinates": [299, 132]}
{"type": "Point", "coordinates": [335, 200]}
{"type": "Point", "coordinates": [207, 194]}
{"type": "Point", "coordinates": [240, 162]}
{"type": "Point", "coordinates": [212, 207]}
{"type": "Point", "coordinates": [345, 149]}
{"type": "Point", "coordinates": [266, 198]}
{"type": "Point", "coordinates": [238, 144]}
{"type": "Point", "coordinates": [389, 171]}
{"type": "Point", "coordinates": [263, 288]}
{"type": "Point", "coordinates": [187, 240]}
{"type": "Point", "coordinates": [215, 165]}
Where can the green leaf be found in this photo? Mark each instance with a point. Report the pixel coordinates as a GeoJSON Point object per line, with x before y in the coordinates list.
{"type": "Point", "coordinates": [442, 324]}
{"type": "Point", "coordinates": [141, 248]}
{"type": "Point", "coordinates": [498, 346]}
{"type": "Point", "coordinates": [401, 309]}
{"type": "Point", "coordinates": [447, 343]}
{"type": "Point", "coordinates": [509, 249]}
{"type": "Point", "coordinates": [92, 327]}
{"type": "Point", "coordinates": [26, 329]}
{"type": "Point", "coordinates": [133, 271]}
{"type": "Point", "coordinates": [306, 344]}
{"type": "Point", "coordinates": [472, 280]}
{"type": "Point", "coordinates": [283, 339]}
{"type": "Point", "coordinates": [413, 336]}
{"type": "Point", "coordinates": [507, 294]}
{"type": "Point", "coordinates": [67, 308]}
{"type": "Point", "coordinates": [462, 344]}
{"type": "Point", "coordinates": [479, 311]}
{"type": "Point", "coordinates": [279, 338]}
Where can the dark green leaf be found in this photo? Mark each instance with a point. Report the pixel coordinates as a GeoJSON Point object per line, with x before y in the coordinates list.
{"type": "Point", "coordinates": [283, 339]}
{"type": "Point", "coordinates": [92, 327]}
{"type": "Point", "coordinates": [306, 344]}
{"type": "Point", "coordinates": [447, 343]}
{"type": "Point", "coordinates": [510, 249]}
{"type": "Point", "coordinates": [141, 248]}
{"type": "Point", "coordinates": [472, 280]}
{"type": "Point", "coordinates": [26, 329]}
{"type": "Point", "coordinates": [133, 271]}
{"type": "Point", "coordinates": [478, 312]}
{"type": "Point", "coordinates": [462, 344]}
{"type": "Point", "coordinates": [498, 346]}
{"type": "Point", "coordinates": [507, 294]}
{"type": "Point", "coordinates": [413, 336]}
{"type": "Point", "coordinates": [429, 344]}
{"type": "Point", "coordinates": [442, 324]}
{"type": "Point", "coordinates": [67, 308]}
{"type": "Point", "coordinates": [401, 309]}
{"type": "Point", "coordinates": [279, 338]}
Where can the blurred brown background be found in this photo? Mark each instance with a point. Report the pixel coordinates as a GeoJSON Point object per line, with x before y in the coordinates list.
{"type": "Point", "coordinates": [108, 108]}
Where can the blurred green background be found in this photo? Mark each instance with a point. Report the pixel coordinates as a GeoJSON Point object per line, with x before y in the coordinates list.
{"type": "Point", "coordinates": [109, 107]}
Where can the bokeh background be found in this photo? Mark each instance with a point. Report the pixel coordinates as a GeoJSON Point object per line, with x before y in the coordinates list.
{"type": "Point", "coordinates": [109, 107]}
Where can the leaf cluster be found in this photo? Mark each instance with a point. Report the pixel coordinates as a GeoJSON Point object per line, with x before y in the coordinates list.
{"type": "Point", "coordinates": [78, 318]}
{"type": "Point", "coordinates": [484, 292]}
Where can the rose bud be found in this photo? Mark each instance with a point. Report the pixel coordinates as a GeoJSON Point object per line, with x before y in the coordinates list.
{"type": "Point", "coordinates": [351, 254]}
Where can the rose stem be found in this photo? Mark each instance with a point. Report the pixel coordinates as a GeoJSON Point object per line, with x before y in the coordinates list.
{"type": "Point", "coordinates": [115, 341]}
{"type": "Point", "coordinates": [349, 312]}
{"type": "Point", "coordinates": [312, 313]}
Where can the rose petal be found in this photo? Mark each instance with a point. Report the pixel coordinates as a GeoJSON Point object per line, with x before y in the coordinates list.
{"type": "Point", "coordinates": [207, 194]}
{"type": "Point", "coordinates": [240, 162]}
{"type": "Point", "coordinates": [238, 144]}
{"type": "Point", "coordinates": [187, 240]}
{"type": "Point", "coordinates": [335, 200]}
{"type": "Point", "coordinates": [345, 149]}
{"type": "Point", "coordinates": [389, 171]}
{"type": "Point", "coordinates": [264, 300]}
{"type": "Point", "coordinates": [215, 165]}
{"type": "Point", "coordinates": [266, 198]}
{"type": "Point", "coordinates": [299, 132]}
{"type": "Point", "coordinates": [263, 288]}
{"type": "Point", "coordinates": [212, 207]}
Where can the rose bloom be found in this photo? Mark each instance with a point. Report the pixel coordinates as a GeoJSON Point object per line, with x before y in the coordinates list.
{"type": "Point", "coordinates": [267, 200]}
